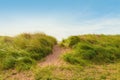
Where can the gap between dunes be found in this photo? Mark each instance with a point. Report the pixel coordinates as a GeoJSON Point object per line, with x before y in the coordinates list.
{"type": "Point", "coordinates": [54, 58]}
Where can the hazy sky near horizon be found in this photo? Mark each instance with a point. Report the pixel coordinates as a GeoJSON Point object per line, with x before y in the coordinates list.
{"type": "Point", "coordinates": [60, 18]}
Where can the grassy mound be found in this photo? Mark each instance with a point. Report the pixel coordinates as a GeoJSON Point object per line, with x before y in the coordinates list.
{"type": "Point", "coordinates": [22, 51]}
{"type": "Point", "coordinates": [92, 48]}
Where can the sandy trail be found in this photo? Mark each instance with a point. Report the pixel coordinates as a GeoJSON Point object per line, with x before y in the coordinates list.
{"type": "Point", "coordinates": [54, 58]}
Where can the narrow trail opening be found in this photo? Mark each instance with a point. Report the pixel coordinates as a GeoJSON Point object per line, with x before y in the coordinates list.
{"type": "Point", "coordinates": [54, 58]}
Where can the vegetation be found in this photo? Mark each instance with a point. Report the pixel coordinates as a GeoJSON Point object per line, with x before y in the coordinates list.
{"type": "Point", "coordinates": [70, 72]}
{"type": "Point", "coordinates": [21, 52]}
{"type": "Point", "coordinates": [96, 49]}
{"type": "Point", "coordinates": [88, 57]}
{"type": "Point", "coordinates": [76, 72]}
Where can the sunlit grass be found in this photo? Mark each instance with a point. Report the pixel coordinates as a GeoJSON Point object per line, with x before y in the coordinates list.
{"type": "Point", "coordinates": [22, 51]}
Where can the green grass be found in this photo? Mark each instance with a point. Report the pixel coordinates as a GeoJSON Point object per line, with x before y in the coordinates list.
{"type": "Point", "coordinates": [70, 72]}
{"type": "Point", "coordinates": [96, 49]}
{"type": "Point", "coordinates": [76, 72]}
{"type": "Point", "coordinates": [91, 57]}
{"type": "Point", "coordinates": [22, 51]}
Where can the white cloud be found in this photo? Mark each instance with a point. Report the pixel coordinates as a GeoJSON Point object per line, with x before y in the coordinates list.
{"type": "Point", "coordinates": [59, 27]}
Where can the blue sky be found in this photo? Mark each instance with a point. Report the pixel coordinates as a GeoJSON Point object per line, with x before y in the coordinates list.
{"type": "Point", "coordinates": [60, 18]}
